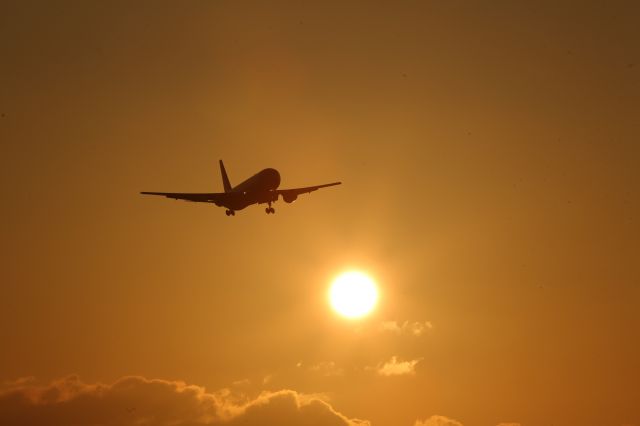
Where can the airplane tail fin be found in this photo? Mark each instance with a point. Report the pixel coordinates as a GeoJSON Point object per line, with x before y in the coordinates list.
{"type": "Point", "coordinates": [225, 178]}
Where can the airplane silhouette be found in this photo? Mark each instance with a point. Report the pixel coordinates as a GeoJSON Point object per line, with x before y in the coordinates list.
{"type": "Point", "coordinates": [260, 188]}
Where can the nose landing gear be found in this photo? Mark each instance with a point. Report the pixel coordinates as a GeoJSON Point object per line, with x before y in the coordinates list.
{"type": "Point", "coordinates": [230, 212]}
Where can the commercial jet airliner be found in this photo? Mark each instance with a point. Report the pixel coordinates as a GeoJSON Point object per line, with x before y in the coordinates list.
{"type": "Point", "coordinates": [261, 188]}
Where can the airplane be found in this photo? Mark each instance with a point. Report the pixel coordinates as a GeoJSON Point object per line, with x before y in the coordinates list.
{"type": "Point", "coordinates": [261, 188]}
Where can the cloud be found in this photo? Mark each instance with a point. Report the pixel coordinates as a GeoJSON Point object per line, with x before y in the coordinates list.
{"type": "Point", "coordinates": [327, 369]}
{"type": "Point", "coordinates": [437, 421]}
{"type": "Point", "coordinates": [393, 367]}
{"type": "Point", "coordinates": [415, 328]}
{"type": "Point", "coordinates": [445, 421]}
{"type": "Point", "coordinates": [139, 401]}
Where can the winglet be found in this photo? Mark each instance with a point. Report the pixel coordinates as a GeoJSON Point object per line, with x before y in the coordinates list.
{"type": "Point", "coordinates": [225, 178]}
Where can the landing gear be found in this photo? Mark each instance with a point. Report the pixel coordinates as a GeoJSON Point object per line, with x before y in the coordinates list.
{"type": "Point", "coordinates": [270, 210]}
{"type": "Point", "coordinates": [230, 212]}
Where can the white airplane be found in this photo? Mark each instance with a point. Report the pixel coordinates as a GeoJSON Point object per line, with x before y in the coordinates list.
{"type": "Point", "coordinates": [261, 188]}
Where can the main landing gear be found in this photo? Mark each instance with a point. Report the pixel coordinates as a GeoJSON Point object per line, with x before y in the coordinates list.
{"type": "Point", "coordinates": [270, 210]}
{"type": "Point", "coordinates": [230, 212]}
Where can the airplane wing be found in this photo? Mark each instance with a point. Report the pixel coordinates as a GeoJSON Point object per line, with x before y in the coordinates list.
{"type": "Point", "coordinates": [290, 195]}
{"type": "Point", "coordinates": [214, 197]}
{"type": "Point", "coordinates": [220, 198]}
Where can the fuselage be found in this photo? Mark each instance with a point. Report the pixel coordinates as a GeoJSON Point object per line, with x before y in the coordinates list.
{"type": "Point", "coordinates": [259, 188]}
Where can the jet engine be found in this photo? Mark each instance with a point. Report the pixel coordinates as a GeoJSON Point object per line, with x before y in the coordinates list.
{"type": "Point", "coordinates": [289, 198]}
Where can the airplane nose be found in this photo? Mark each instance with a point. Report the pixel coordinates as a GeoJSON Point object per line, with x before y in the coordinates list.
{"type": "Point", "coordinates": [276, 177]}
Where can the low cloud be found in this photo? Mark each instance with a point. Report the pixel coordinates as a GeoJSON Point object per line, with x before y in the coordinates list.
{"type": "Point", "coordinates": [140, 401]}
{"type": "Point", "coordinates": [394, 367]}
{"type": "Point", "coordinates": [437, 421]}
{"type": "Point", "coordinates": [445, 421]}
{"type": "Point", "coordinates": [415, 328]}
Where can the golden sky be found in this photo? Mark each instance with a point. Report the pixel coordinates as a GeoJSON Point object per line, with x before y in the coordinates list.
{"type": "Point", "coordinates": [489, 156]}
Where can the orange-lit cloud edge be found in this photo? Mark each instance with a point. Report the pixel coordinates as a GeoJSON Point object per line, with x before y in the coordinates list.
{"type": "Point", "coordinates": [135, 400]}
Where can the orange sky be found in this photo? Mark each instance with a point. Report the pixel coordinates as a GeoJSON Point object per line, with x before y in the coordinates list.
{"type": "Point", "coordinates": [489, 157]}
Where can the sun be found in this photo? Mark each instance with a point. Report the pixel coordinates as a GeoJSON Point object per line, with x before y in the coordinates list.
{"type": "Point", "coordinates": [353, 294]}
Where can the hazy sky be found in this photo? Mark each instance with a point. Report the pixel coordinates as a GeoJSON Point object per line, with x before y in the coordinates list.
{"type": "Point", "coordinates": [489, 156]}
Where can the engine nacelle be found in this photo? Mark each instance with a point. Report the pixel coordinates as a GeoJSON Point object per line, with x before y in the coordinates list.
{"type": "Point", "coordinates": [289, 198]}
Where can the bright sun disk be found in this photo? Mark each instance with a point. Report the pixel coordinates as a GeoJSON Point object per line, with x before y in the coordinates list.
{"type": "Point", "coordinates": [353, 294]}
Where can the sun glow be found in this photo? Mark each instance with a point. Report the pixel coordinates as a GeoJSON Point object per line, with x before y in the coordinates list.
{"type": "Point", "coordinates": [353, 294]}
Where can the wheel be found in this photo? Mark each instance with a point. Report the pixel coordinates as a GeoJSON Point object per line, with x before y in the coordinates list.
{"type": "Point", "coordinates": [272, 210]}
{"type": "Point", "coordinates": [227, 212]}
{"type": "Point", "coordinates": [267, 210]}
{"type": "Point", "coordinates": [233, 213]}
